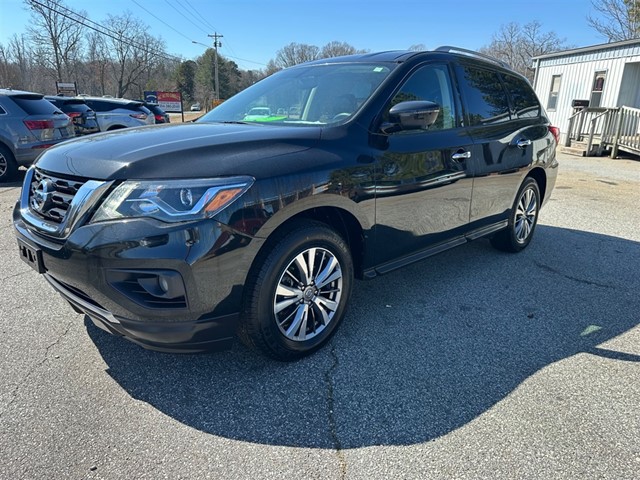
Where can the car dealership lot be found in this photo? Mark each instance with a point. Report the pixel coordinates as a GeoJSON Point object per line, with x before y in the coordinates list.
{"type": "Point", "coordinates": [473, 363]}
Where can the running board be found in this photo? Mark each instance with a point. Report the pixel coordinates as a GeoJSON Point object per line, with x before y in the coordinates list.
{"type": "Point", "coordinates": [428, 252]}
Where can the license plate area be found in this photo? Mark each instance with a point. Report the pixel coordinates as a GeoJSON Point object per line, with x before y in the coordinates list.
{"type": "Point", "coordinates": [31, 256]}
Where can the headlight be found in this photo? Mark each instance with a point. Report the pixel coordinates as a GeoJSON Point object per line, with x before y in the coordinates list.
{"type": "Point", "coordinates": [171, 200]}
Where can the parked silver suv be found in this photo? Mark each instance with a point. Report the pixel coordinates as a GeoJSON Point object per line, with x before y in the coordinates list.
{"type": "Point", "coordinates": [28, 125]}
{"type": "Point", "coordinates": [115, 113]}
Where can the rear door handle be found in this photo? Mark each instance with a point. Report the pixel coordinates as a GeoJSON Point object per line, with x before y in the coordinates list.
{"type": "Point", "coordinates": [459, 156]}
{"type": "Point", "coordinates": [523, 143]}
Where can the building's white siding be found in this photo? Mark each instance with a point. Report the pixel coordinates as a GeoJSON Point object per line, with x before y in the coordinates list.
{"type": "Point", "coordinates": [577, 74]}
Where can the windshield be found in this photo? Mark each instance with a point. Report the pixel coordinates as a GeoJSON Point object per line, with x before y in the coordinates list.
{"type": "Point", "coordinates": [306, 95]}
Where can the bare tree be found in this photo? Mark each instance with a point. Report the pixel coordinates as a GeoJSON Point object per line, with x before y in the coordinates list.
{"type": "Point", "coordinates": [296, 53]}
{"type": "Point", "coordinates": [133, 50]}
{"type": "Point", "coordinates": [56, 38]}
{"type": "Point", "coordinates": [272, 67]}
{"type": "Point", "coordinates": [617, 20]}
{"type": "Point", "coordinates": [418, 47]}
{"type": "Point", "coordinates": [338, 49]}
{"type": "Point", "coordinates": [17, 64]}
{"type": "Point", "coordinates": [97, 64]}
{"type": "Point", "coordinates": [517, 44]}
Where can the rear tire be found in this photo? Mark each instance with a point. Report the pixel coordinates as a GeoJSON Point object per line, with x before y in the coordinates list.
{"type": "Point", "coordinates": [297, 294]}
{"type": "Point", "coordinates": [522, 220]}
{"type": "Point", "coordinates": [8, 165]}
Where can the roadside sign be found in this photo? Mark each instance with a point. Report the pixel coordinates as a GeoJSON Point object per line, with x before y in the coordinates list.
{"type": "Point", "coordinates": [170, 102]}
{"type": "Point", "coordinates": [68, 89]}
{"type": "Point", "coordinates": [150, 97]}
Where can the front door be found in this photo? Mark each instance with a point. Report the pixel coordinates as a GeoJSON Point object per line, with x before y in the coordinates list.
{"type": "Point", "coordinates": [423, 189]}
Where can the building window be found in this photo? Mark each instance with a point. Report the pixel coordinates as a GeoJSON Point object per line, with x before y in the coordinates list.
{"type": "Point", "coordinates": [597, 89]}
{"type": "Point", "coordinates": [553, 92]}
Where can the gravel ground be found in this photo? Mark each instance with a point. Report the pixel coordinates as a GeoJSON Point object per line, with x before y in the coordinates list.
{"type": "Point", "coordinates": [471, 364]}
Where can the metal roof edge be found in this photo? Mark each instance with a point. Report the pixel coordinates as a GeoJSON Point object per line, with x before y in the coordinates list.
{"type": "Point", "coordinates": [591, 48]}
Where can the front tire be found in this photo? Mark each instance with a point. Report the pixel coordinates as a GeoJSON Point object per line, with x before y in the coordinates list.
{"type": "Point", "coordinates": [522, 220]}
{"type": "Point", "coordinates": [297, 294]}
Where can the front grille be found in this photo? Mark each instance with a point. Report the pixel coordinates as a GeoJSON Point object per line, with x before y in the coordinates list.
{"type": "Point", "coordinates": [50, 197]}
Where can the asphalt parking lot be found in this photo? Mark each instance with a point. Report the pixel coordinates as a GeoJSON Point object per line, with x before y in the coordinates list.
{"type": "Point", "coordinates": [471, 364]}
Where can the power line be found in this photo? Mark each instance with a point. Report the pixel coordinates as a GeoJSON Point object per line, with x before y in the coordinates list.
{"type": "Point", "coordinates": [104, 30]}
{"type": "Point", "coordinates": [231, 56]}
{"type": "Point", "coordinates": [160, 20]}
{"type": "Point", "coordinates": [197, 16]}
{"type": "Point", "coordinates": [200, 16]}
{"type": "Point", "coordinates": [185, 17]}
{"type": "Point", "coordinates": [192, 41]}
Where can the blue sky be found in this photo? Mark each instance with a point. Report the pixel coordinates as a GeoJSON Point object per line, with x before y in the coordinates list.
{"type": "Point", "coordinates": [255, 29]}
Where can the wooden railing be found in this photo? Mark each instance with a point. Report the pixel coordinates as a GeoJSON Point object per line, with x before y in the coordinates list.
{"type": "Point", "coordinates": [627, 134]}
{"type": "Point", "coordinates": [616, 127]}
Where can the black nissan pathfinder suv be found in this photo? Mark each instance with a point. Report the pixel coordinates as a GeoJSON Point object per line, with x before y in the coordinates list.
{"type": "Point", "coordinates": [177, 237]}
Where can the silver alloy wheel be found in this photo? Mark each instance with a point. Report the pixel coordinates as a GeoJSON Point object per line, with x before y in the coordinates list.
{"type": "Point", "coordinates": [4, 165]}
{"type": "Point", "coordinates": [526, 214]}
{"type": "Point", "coordinates": [308, 294]}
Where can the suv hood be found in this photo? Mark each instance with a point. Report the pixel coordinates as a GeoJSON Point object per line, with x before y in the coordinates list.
{"type": "Point", "coordinates": [194, 150]}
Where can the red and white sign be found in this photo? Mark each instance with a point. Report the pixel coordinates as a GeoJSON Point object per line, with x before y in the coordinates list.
{"type": "Point", "coordinates": [170, 101]}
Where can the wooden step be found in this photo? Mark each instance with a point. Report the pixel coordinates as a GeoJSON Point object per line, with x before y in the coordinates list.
{"type": "Point", "coordinates": [580, 152]}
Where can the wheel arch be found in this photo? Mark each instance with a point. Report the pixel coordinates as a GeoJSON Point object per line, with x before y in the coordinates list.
{"type": "Point", "coordinates": [7, 144]}
{"type": "Point", "coordinates": [540, 176]}
{"type": "Point", "coordinates": [351, 227]}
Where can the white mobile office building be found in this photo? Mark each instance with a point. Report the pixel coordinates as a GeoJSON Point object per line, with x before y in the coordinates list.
{"type": "Point", "coordinates": [606, 75]}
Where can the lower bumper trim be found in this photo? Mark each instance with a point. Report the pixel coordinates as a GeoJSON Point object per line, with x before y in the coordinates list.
{"type": "Point", "coordinates": [208, 334]}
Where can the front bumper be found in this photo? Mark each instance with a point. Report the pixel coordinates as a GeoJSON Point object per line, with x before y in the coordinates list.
{"type": "Point", "coordinates": [183, 337]}
{"type": "Point", "coordinates": [210, 259]}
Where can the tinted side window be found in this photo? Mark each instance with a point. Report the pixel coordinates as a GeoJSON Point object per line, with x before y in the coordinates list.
{"type": "Point", "coordinates": [486, 99]}
{"type": "Point", "coordinates": [524, 100]}
{"type": "Point", "coordinates": [76, 107]}
{"type": "Point", "coordinates": [100, 106]}
{"type": "Point", "coordinates": [134, 107]}
{"type": "Point", "coordinates": [430, 83]}
{"type": "Point", "coordinates": [34, 105]}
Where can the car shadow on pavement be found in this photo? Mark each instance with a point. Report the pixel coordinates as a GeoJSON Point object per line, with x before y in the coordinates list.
{"type": "Point", "coordinates": [422, 351]}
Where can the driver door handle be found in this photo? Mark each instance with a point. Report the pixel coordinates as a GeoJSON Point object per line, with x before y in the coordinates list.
{"type": "Point", "coordinates": [461, 155]}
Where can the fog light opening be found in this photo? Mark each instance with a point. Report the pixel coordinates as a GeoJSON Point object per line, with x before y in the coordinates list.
{"type": "Point", "coordinates": [163, 285]}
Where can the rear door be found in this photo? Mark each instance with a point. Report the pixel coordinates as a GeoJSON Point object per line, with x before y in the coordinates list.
{"type": "Point", "coordinates": [503, 130]}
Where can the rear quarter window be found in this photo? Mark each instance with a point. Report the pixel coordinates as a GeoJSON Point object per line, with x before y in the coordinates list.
{"type": "Point", "coordinates": [100, 106]}
{"type": "Point", "coordinates": [135, 107]}
{"type": "Point", "coordinates": [76, 107]}
{"type": "Point", "coordinates": [34, 105]}
{"type": "Point", "coordinates": [486, 101]}
{"type": "Point", "coordinates": [523, 99]}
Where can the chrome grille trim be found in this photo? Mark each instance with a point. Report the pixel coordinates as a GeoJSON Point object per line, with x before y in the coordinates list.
{"type": "Point", "coordinates": [70, 202]}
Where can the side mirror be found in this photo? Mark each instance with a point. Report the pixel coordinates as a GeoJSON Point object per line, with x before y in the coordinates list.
{"type": "Point", "coordinates": [414, 115]}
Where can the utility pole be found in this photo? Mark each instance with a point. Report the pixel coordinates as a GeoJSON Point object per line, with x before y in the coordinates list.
{"type": "Point", "coordinates": [216, 44]}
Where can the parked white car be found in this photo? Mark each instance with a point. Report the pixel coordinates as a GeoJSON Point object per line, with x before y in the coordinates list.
{"type": "Point", "coordinates": [116, 113]}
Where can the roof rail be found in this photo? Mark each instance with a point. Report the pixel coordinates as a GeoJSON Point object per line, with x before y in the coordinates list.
{"type": "Point", "coordinates": [472, 53]}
